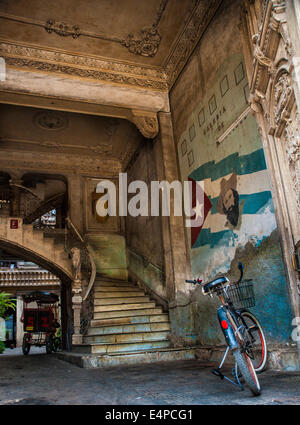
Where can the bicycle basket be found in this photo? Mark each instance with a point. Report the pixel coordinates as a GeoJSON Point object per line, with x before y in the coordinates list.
{"type": "Point", "coordinates": [242, 295]}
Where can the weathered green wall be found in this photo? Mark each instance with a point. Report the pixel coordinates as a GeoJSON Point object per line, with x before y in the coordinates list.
{"type": "Point", "coordinates": [109, 253]}
{"type": "Point", "coordinates": [218, 143]}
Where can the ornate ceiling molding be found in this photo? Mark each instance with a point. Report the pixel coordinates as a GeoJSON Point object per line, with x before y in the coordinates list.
{"type": "Point", "coordinates": [195, 27]}
{"type": "Point", "coordinates": [145, 43]}
{"type": "Point", "coordinates": [19, 58]}
{"type": "Point", "coordinates": [62, 28]}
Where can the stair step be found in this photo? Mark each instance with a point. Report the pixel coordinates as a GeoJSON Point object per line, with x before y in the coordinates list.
{"type": "Point", "coordinates": [131, 320]}
{"type": "Point", "coordinates": [127, 329]}
{"type": "Point", "coordinates": [105, 289]}
{"type": "Point", "coordinates": [118, 294]}
{"type": "Point", "coordinates": [118, 307]}
{"type": "Point", "coordinates": [114, 283]}
{"type": "Point", "coordinates": [127, 338]}
{"type": "Point", "coordinates": [120, 301]}
{"type": "Point", "coordinates": [127, 313]}
{"type": "Point", "coordinates": [122, 348]}
{"type": "Point", "coordinates": [90, 361]}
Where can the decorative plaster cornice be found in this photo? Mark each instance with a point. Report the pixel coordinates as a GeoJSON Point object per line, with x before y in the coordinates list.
{"type": "Point", "coordinates": [195, 27]}
{"type": "Point", "coordinates": [80, 72]}
{"type": "Point", "coordinates": [12, 49]}
{"type": "Point", "coordinates": [91, 67]}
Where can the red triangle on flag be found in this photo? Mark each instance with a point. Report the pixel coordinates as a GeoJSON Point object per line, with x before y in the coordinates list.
{"type": "Point", "coordinates": [195, 231]}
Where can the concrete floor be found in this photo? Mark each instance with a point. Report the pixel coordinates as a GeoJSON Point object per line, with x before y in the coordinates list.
{"type": "Point", "coordinates": [43, 379]}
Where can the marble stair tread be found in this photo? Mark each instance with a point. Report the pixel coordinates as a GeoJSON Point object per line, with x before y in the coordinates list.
{"type": "Point", "coordinates": [127, 337]}
{"type": "Point", "coordinates": [127, 313]}
{"type": "Point", "coordinates": [121, 300]}
{"type": "Point", "coordinates": [119, 307]}
{"type": "Point", "coordinates": [128, 328]}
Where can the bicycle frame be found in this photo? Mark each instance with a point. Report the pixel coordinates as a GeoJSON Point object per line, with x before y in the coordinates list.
{"type": "Point", "coordinates": [237, 333]}
{"type": "Point", "coordinates": [228, 319]}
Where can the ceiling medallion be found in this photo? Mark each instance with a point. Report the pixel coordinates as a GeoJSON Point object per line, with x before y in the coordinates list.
{"type": "Point", "coordinates": [50, 120]}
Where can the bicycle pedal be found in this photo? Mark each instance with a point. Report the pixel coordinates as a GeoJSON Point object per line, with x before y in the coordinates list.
{"type": "Point", "coordinates": [217, 373]}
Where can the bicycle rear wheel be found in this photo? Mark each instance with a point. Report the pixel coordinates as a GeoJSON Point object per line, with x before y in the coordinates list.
{"type": "Point", "coordinates": [255, 341]}
{"type": "Point", "coordinates": [247, 370]}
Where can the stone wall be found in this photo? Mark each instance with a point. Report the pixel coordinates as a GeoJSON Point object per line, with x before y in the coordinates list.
{"type": "Point", "coordinates": [218, 143]}
{"type": "Point", "coordinates": [144, 234]}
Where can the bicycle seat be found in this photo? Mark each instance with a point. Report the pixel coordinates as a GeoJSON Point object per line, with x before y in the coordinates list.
{"type": "Point", "coordinates": [214, 284]}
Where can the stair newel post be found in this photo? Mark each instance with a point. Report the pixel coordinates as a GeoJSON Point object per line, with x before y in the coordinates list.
{"type": "Point", "coordinates": [76, 306]}
{"type": "Point", "coordinates": [76, 294]}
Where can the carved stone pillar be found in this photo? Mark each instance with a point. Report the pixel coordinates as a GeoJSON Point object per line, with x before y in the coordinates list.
{"type": "Point", "coordinates": [75, 200]}
{"type": "Point", "coordinates": [76, 306]}
{"type": "Point", "coordinates": [271, 68]}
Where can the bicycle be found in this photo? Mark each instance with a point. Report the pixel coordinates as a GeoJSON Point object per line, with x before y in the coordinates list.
{"type": "Point", "coordinates": [242, 330]}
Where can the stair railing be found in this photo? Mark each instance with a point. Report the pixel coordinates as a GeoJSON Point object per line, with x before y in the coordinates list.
{"type": "Point", "coordinates": [91, 259]}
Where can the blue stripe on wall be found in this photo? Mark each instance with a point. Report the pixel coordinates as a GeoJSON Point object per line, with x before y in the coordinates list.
{"type": "Point", "coordinates": [206, 237]}
{"type": "Point", "coordinates": [245, 164]}
{"type": "Point", "coordinates": [252, 202]}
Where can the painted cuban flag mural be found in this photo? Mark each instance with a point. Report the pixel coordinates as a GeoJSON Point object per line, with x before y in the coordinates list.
{"type": "Point", "coordinates": [238, 209]}
{"type": "Point", "coordinates": [221, 147]}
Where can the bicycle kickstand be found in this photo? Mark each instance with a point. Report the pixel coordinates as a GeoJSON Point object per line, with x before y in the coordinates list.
{"type": "Point", "coordinates": [217, 372]}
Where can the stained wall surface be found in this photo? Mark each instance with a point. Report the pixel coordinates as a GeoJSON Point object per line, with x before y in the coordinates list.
{"type": "Point", "coordinates": [219, 145]}
{"type": "Point", "coordinates": [144, 234]}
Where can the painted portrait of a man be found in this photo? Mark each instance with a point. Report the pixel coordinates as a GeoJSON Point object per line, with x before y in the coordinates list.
{"type": "Point", "coordinates": [228, 202]}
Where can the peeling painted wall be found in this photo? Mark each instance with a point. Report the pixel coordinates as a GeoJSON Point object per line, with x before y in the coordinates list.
{"type": "Point", "coordinates": [218, 143]}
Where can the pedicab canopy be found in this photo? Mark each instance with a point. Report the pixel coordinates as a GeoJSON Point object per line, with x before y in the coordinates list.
{"type": "Point", "coordinates": [41, 297]}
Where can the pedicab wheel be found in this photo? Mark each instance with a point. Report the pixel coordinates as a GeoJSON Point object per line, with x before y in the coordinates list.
{"type": "Point", "coordinates": [247, 371]}
{"type": "Point", "coordinates": [25, 346]}
{"type": "Point", "coordinates": [56, 346]}
{"type": "Point", "coordinates": [49, 344]}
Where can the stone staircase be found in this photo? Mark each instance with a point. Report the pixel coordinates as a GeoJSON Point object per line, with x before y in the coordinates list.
{"type": "Point", "coordinates": [47, 251]}
{"type": "Point", "coordinates": [125, 320]}
{"type": "Point", "coordinates": [127, 328]}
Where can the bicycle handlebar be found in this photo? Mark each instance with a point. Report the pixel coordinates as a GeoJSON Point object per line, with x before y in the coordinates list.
{"type": "Point", "coordinates": [240, 267]}
{"type": "Point", "coordinates": [195, 281]}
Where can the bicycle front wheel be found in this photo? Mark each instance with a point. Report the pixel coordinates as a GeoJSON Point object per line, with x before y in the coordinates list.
{"type": "Point", "coordinates": [247, 370]}
{"type": "Point", "coordinates": [256, 341]}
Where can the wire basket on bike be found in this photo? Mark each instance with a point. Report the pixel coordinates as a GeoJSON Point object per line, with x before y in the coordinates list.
{"type": "Point", "coordinates": [242, 295]}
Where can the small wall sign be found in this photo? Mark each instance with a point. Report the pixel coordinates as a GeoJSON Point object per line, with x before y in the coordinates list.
{"type": "Point", "coordinates": [14, 224]}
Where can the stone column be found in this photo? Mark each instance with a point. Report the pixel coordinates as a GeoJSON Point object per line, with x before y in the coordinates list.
{"type": "Point", "coordinates": [76, 306]}
{"type": "Point", "coordinates": [173, 227]}
{"type": "Point", "coordinates": [75, 202]}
